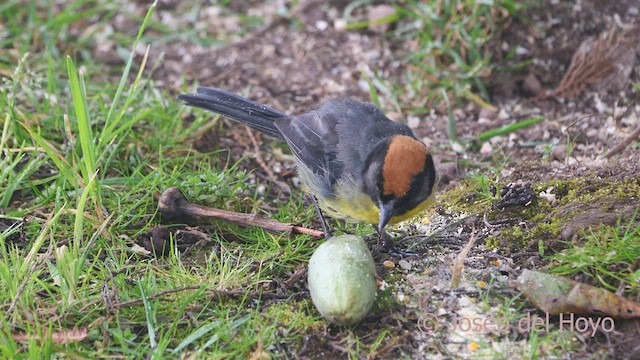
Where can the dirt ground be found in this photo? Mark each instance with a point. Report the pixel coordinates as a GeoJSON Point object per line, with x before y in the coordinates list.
{"type": "Point", "coordinates": [294, 71]}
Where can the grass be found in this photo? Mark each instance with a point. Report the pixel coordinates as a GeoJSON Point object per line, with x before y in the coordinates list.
{"type": "Point", "coordinates": [609, 256]}
{"type": "Point", "coordinates": [450, 58]}
{"type": "Point", "coordinates": [507, 129]}
{"type": "Point", "coordinates": [85, 152]}
{"type": "Point", "coordinates": [80, 163]}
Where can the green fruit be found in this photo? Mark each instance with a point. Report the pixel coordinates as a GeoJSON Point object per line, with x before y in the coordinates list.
{"type": "Point", "coordinates": [342, 279]}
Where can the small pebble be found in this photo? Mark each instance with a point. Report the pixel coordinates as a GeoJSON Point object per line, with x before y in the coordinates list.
{"type": "Point", "coordinates": [413, 121]}
{"type": "Point", "coordinates": [531, 85]}
{"type": "Point", "coordinates": [486, 116]}
{"type": "Point", "coordinates": [404, 264]}
{"type": "Point", "coordinates": [321, 25]}
{"type": "Point", "coordinates": [486, 149]}
{"type": "Point", "coordinates": [457, 147]}
{"type": "Point", "coordinates": [389, 264]}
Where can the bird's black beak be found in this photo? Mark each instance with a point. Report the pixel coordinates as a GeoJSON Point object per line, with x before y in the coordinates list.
{"type": "Point", "coordinates": [386, 212]}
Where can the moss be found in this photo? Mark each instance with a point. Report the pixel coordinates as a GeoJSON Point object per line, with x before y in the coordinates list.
{"type": "Point", "coordinates": [492, 242]}
{"type": "Point", "coordinates": [584, 198]}
{"type": "Point", "coordinates": [385, 299]}
{"type": "Point", "coordinates": [466, 198]}
{"type": "Point", "coordinates": [292, 315]}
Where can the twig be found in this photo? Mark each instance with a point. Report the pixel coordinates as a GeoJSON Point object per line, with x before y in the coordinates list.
{"type": "Point", "coordinates": [498, 223]}
{"type": "Point", "coordinates": [221, 293]}
{"type": "Point", "coordinates": [174, 206]}
{"type": "Point", "coordinates": [451, 292]}
{"type": "Point", "coordinates": [254, 294]}
{"type": "Point", "coordinates": [112, 307]}
{"type": "Point", "coordinates": [389, 346]}
{"type": "Point", "coordinates": [257, 154]}
{"type": "Point", "coordinates": [486, 220]}
{"type": "Point", "coordinates": [155, 296]}
{"type": "Point", "coordinates": [442, 230]}
{"type": "Point", "coordinates": [298, 274]}
{"type": "Point", "coordinates": [635, 134]}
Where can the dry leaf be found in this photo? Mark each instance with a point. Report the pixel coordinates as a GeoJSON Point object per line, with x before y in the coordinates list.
{"type": "Point", "coordinates": [556, 295]}
{"type": "Point", "coordinates": [458, 263]}
{"type": "Point", "coordinates": [57, 337]}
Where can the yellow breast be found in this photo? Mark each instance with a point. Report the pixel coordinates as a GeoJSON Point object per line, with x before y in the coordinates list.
{"type": "Point", "coordinates": [350, 202]}
{"type": "Point", "coordinates": [354, 205]}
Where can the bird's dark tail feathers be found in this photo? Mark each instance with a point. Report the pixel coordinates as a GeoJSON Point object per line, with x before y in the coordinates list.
{"type": "Point", "coordinates": [250, 113]}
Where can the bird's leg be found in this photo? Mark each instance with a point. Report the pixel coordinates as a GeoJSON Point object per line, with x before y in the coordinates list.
{"type": "Point", "coordinates": [383, 245]}
{"type": "Point", "coordinates": [385, 240]}
{"type": "Point", "coordinates": [323, 222]}
{"type": "Point", "coordinates": [388, 246]}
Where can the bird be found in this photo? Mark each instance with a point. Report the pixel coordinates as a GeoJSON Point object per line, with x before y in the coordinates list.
{"type": "Point", "coordinates": [355, 162]}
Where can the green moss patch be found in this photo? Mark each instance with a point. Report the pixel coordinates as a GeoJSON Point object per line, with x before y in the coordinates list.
{"type": "Point", "coordinates": [563, 210]}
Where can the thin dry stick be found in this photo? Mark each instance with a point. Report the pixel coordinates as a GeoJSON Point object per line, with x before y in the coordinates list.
{"type": "Point", "coordinates": [154, 296]}
{"type": "Point", "coordinates": [440, 231]}
{"type": "Point", "coordinates": [297, 275]}
{"type": "Point", "coordinates": [389, 346]}
{"type": "Point", "coordinates": [174, 206]}
{"type": "Point", "coordinates": [257, 153]}
{"type": "Point", "coordinates": [635, 135]}
{"type": "Point", "coordinates": [222, 293]}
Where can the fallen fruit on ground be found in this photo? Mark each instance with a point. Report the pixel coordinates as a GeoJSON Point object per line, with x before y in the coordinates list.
{"type": "Point", "coordinates": [342, 279]}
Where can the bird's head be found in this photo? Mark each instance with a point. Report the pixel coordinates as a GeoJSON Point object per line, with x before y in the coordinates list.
{"type": "Point", "coordinates": [399, 178]}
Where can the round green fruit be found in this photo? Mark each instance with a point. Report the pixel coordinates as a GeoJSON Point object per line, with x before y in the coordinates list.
{"type": "Point", "coordinates": [342, 279]}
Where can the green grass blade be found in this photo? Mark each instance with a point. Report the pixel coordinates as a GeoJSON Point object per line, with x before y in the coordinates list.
{"type": "Point", "coordinates": [389, 19]}
{"type": "Point", "coordinates": [14, 182]}
{"type": "Point", "coordinates": [150, 318]}
{"type": "Point", "coordinates": [79, 220]}
{"type": "Point", "coordinates": [507, 129]}
{"type": "Point", "coordinates": [123, 80]}
{"type": "Point", "coordinates": [115, 127]}
{"type": "Point", "coordinates": [54, 155]}
{"type": "Point", "coordinates": [84, 126]}
{"type": "Point", "coordinates": [87, 144]}
{"type": "Point", "coordinates": [39, 241]}
{"type": "Point", "coordinates": [373, 93]}
{"type": "Point", "coordinates": [203, 330]}
{"type": "Point", "coordinates": [5, 131]}
{"type": "Point", "coordinates": [451, 128]}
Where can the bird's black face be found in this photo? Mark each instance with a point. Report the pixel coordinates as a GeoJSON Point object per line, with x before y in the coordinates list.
{"type": "Point", "coordinates": [405, 176]}
{"type": "Point", "coordinates": [420, 189]}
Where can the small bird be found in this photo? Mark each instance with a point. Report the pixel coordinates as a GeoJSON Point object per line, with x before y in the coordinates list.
{"type": "Point", "coordinates": [358, 164]}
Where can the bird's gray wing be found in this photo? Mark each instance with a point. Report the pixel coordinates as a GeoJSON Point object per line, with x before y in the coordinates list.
{"type": "Point", "coordinates": [313, 140]}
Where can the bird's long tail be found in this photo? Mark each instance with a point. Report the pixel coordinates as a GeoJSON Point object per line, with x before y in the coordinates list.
{"type": "Point", "coordinates": [250, 113]}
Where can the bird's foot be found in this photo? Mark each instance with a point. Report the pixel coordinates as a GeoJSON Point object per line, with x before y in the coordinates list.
{"type": "Point", "coordinates": [387, 245]}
